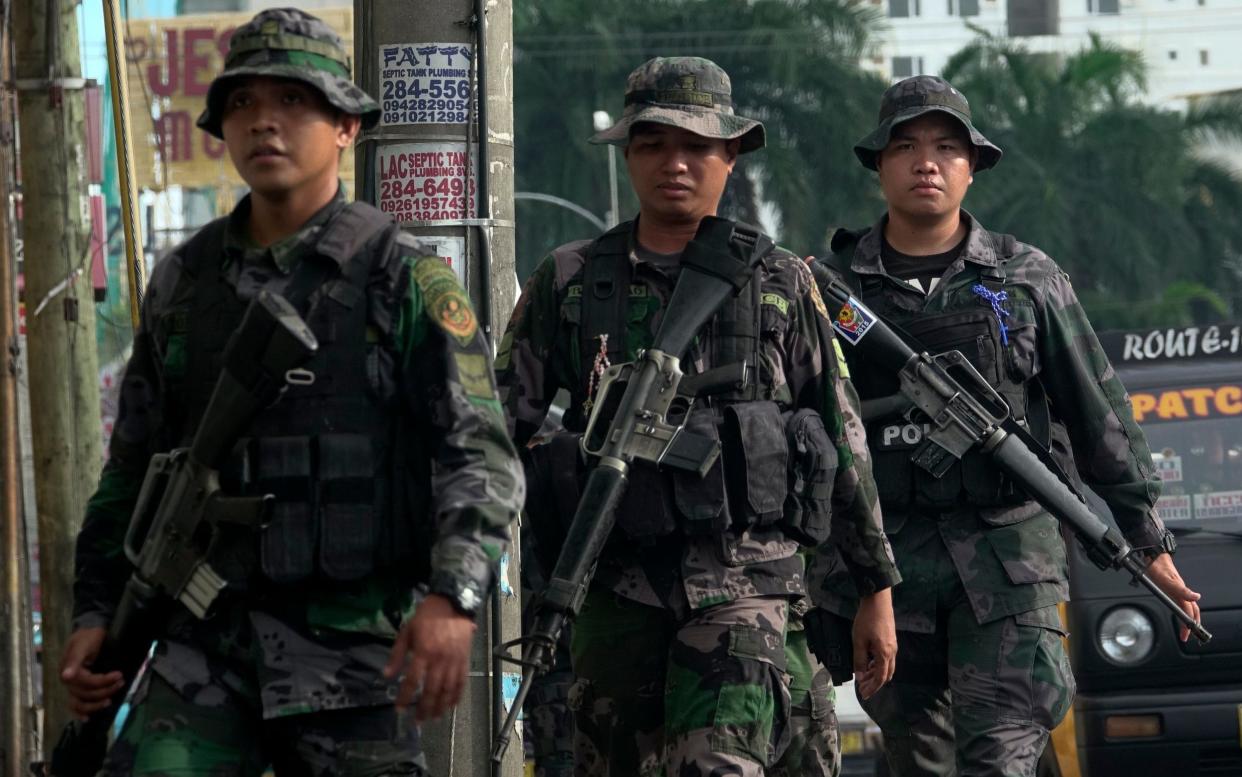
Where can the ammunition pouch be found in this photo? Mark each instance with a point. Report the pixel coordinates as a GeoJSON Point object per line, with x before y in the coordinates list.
{"type": "Point", "coordinates": [325, 519]}
{"type": "Point", "coordinates": [348, 509]}
{"type": "Point", "coordinates": [701, 503]}
{"type": "Point", "coordinates": [831, 639]}
{"type": "Point", "coordinates": [287, 543]}
{"type": "Point", "coordinates": [812, 474]}
{"type": "Point", "coordinates": [776, 470]}
{"type": "Point", "coordinates": [756, 463]}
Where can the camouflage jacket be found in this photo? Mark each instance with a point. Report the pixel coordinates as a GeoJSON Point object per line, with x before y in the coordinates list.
{"type": "Point", "coordinates": [539, 356]}
{"type": "Point", "coordinates": [1012, 559]}
{"type": "Point", "coordinates": [439, 378]}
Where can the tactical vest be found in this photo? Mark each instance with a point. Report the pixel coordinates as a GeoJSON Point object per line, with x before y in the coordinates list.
{"type": "Point", "coordinates": [775, 467]}
{"type": "Point", "coordinates": [972, 329]}
{"type": "Point", "coordinates": [346, 498]}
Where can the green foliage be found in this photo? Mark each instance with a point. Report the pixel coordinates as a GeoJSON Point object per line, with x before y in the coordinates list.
{"type": "Point", "coordinates": [793, 63]}
{"type": "Point", "coordinates": [1116, 191]}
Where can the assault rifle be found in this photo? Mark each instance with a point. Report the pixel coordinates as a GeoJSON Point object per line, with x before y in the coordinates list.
{"type": "Point", "coordinates": [638, 415]}
{"type": "Point", "coordinates": [965, 412]}
{"type": "Point", "coordinates": [175, 524]}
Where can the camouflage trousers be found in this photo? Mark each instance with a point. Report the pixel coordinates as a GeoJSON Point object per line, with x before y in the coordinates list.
{"type": "Point", "coordinates": [971, 699]}
{"type": "Point", "coordinates": [660, 694]}
{"type": "Point", "coordinates": [220, 734]}
{"type": "Point", "coordinates": [547, 724]}
{"type": "Point", "coordinates": [814, 739]}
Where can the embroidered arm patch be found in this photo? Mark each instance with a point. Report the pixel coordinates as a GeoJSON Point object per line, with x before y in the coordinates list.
{"type": "Point", "coordinates": [446, 302]}
{"type": "Point", "coordinates": [818, 301]}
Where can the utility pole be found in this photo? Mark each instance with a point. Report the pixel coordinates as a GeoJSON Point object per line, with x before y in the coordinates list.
{"type": "Point", "coordinates": [60, 311]}
{"type": "Point", "coordinates": [441, 162]}
{"type": "Point", "coordinates": [16, 738]}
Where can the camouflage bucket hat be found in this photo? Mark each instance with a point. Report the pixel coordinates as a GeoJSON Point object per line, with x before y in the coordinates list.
{"type": "Point", "coordinates": [289, 43]}
{"type": "Point", "coordinates": [916, 96]}
{"type": "Point", "coordinates": [688, 92]}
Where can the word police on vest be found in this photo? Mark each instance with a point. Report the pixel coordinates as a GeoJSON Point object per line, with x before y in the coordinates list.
{"type": "Point", "coordinates": [902, 435]}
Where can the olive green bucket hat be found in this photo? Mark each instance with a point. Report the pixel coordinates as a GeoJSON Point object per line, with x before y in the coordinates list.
{"type": "Point", "coordinates": [914, 97]}
{"type": "Point", "coordinates": [289, 43]}
{"type": "Point", "coordinates": [688, 92]}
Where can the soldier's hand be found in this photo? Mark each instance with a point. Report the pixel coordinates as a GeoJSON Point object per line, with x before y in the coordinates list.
{"type": "Point", "coordinates": [88, 692]}
{"type": "Point", "coordinates": [433, 648]}
{"type": "Point", "coordinates": [875, 642]}
{"type": "Point", "coordinates": [1164, 574]}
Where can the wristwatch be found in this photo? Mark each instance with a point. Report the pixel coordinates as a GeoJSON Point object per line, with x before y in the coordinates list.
{"type": "Point", "coordinates": [463, 595]}
{"type": "Point", "coordinates": [1167, 544]}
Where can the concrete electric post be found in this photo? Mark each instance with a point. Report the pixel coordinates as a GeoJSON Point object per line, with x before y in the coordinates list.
{"type": "Point", "coordinates": [441, 163]}
{"type": "Point", "coordinates": [16, 646]}
{"type": "Point", "coordinates": [60, 311]}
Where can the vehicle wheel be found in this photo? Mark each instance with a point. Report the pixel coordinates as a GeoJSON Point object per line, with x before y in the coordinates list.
{"type": "Point", "coordinates": [1048, 766]}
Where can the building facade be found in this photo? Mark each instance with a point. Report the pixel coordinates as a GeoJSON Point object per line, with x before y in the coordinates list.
{"type": "Point", "coordinates": [1190, 46]}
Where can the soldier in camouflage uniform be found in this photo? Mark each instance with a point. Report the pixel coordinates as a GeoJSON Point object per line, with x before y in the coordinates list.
{"type": "Point", "coordinates": [679, 652]}
{"type": "Point", "coordinates": [982, 675]}
{"type": "Point", "coordinates": [814, 737]}
{"type": "Point", "coordinates": [312, 660]}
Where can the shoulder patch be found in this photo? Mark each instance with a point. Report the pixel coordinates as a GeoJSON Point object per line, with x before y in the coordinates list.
{"type": "Point", "coordinates": [818, 301]}
{"type": "Point", "coordinates": [446, 301]}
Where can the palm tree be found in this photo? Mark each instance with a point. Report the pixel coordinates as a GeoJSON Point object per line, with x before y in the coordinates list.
{"type": "Point", "coordinates": [794, 64]}
{"type": "Point", "coordinates": [1115, 190]}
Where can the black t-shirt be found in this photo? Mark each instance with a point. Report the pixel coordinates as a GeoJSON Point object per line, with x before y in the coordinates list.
{"type": "Point", "coordinates": [921, 271]}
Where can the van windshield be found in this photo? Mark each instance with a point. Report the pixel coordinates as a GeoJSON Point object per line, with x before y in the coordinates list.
{"type": "Point", "coordinates": [1200, 463]}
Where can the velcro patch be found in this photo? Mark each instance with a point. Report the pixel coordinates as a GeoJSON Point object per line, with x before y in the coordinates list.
{"type": "Point", "coordinates": [472, 372]}
{"type": "Point", "coordinates": [842, 367]}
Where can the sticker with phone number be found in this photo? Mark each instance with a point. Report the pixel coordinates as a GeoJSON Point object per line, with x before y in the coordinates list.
{"type": "Point", "coordinates": [427, 182]}
{"type": "Point", "coordinates": [425, 83]}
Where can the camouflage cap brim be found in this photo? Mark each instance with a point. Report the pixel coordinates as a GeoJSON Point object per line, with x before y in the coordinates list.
{"type": "Point", "coordinates": [341, 92]}
{"type": "Point", "coordinates": [870, 146]}
{"type": "Point", "coordinates": [701, 121]}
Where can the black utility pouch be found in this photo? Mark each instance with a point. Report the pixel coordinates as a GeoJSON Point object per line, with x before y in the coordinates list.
{"type": "Point", "coordinates": [756, 463]}
{"type": "Point", "coordinates": [812, 475]}
{"type": "Point", "coordinates": [282, 468]}
{"type": "Point", "coordinates": [701, 501]}
{"type": "Point", "coordinates": [347, 506]}
{"type": "Point", "coordinates": [831, 639]}
{"type": "Point", "coordinates": [646, 510]}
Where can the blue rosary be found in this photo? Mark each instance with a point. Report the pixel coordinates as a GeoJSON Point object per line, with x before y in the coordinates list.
{"type": "Point", "coordinates": [995, 298]}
